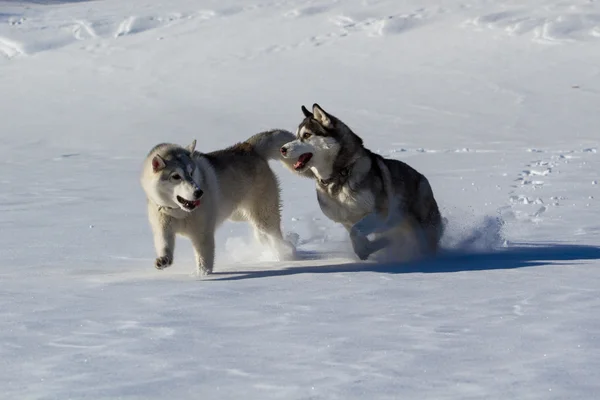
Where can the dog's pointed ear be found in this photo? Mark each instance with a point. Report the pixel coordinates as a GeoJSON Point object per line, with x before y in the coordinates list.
{"type": "Point", "coordinates": [191, 147]}
{"type": "Point", "coordinates": [306, 113]}
{"type": "Point", "coordinates": [321, 116]}
{"type": "Point", "coordinates": [158, 163]}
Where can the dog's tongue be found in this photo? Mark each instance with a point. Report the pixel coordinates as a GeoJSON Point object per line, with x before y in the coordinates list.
{"type": "Point", "coordinates": [303, 159]}
{"type": "Point", "coordinates": [196, 203]}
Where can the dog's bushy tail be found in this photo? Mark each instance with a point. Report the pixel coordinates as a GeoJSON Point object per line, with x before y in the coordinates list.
{"type": "Point", "coordinates": [268, 144]}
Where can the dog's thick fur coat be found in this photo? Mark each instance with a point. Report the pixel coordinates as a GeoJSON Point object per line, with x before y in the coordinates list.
{"type": "Point", "coordinates": [365, 192]}
{"type": "Point", "coordinates": [190, 193]}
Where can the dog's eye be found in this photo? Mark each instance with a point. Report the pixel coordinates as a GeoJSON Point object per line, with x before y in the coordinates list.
{"type": "Point", "coordinates": [176, 177]}
{"type": "Point", "coordinates": [306, 135]}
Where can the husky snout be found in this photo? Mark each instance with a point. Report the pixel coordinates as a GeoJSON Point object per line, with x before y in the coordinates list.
{"type": "Point", "coordinates": [188, 195]}
{"type": "Point", "coordinates": [292, 149]}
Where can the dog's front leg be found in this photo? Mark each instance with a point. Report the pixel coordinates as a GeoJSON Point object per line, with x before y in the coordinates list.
{"type": "Point", "coordinates": [164, 242]}
{"type": "Point", "coordinates": [204, 247]}
{"type": "Point", "coordinates": [362, 246]}
{"type": "Point", "coordinates": [374, 223]}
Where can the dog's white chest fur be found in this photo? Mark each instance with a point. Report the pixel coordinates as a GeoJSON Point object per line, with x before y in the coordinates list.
{"type": "Point", "coordinates": [346, 207]}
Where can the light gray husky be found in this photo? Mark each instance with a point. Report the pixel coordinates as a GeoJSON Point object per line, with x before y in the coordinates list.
{"type": "Point", "coordinates": [363, 191]}
{"type": "Point", "coordinates": [191, 193]}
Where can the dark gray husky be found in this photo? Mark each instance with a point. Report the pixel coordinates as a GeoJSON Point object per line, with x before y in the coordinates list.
{"type": "Point", "coordinates": [363, 191]}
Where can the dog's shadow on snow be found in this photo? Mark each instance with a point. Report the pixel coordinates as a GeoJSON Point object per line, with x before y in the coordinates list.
{"type": "Point", "coordinates": [447, 262]}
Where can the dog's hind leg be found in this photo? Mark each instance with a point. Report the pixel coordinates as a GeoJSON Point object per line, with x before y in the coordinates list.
{"type": "Point", "coordinates": [262, 210]}
{"type": "Point", "coordinates": [267, 230]}
{"type": "Point", "coordinates": [430, 217]}
{"type": "Point", "coordinates": [378, 223]}
{"type": "Point", "coordinates": [261, 237]}
{"type": "Point", "coordinates": [264, 216]}
{"type": "Point", "coordinates": [432, 236]}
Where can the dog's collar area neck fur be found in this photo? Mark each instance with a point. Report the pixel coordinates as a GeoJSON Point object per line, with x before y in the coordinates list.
{"type": "Point", "coordinates": [174, 212]}
{"type": "Point", "coordinates": [344, 172]}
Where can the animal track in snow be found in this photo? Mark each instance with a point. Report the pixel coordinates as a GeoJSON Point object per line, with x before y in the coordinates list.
{"type": "Point", "coordinates": [306, 11]}
{"type": "Point", "coordinates": [531, 176]}
{"type": "Point", "coordinates": [518, 309]}
{"type": "Point", "coordinates": [433, 151]}
{"type": "Point", "coordinates": [82, 30]}
{"type": "Point", "coordinates": [10, 49]}
{"type": "Point", "coordinates": [147, 330]}
{"type": "Point", "coordinates": [380, 26]}
{"type": "Point", "coordinates": [529, 180]}
{"type": "Point", "coordinates": [132, 25]}
{"type": "Point", "coordinates": [62, 33]}
{"type": "Point", "coordinates": [533, 179]}
{"type": "Point", "coordinates": [534, 172]}
{"type": "Point", "coordinates": [549, 26]}
{"type": "Point", "coordinates": [347, 25]}
{"type": "Point", "coordinates": [522, 199]}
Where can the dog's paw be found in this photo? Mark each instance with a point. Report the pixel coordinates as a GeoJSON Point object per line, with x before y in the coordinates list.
{"type": "Point", "coordinates": [362, 254]}
{"type": "Point", "coordinates": [363, 247]}
{"type": "Point", "coordinates": [286, 251]}
{"type": "Point", "coordinates": [163, 262]}
{"type": "Point", "coordinates": [204, 271]}
{"type": "Point", "coordinates": [369, 224]}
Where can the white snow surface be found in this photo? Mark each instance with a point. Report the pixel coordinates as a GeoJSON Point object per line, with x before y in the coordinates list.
{"type": "Point", "coordinates": [496, 102]}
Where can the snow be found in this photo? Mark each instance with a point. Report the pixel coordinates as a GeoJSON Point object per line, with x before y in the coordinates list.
{"type": "Point", "coordinates": [495, 102]}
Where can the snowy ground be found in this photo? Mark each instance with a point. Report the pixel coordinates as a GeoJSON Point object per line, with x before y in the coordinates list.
{"type": "Point", "coordinates": [495, 101]}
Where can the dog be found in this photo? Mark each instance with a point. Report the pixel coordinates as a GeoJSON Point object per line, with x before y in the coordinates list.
{"type": "Point", "coordinates": [365, 192]}
{"type": "Point", "coordinates": [190, 193]}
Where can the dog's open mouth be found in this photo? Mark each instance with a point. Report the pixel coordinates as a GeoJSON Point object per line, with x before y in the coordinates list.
{"type": "Point", "coordinates": [188, 204]}
{"type": "Point", "coordinates": [302, 161]}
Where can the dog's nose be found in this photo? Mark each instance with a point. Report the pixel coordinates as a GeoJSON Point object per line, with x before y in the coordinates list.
{"type": "Point", "coordinates": [198, 193]}
{"type": "Point", "coordinates": [283, 150]}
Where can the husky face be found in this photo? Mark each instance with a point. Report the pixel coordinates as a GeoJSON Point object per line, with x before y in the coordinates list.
{"type": "Point", "coordinates": [317, 143]}
{"type": "Point", "coordinates": [176, 181]}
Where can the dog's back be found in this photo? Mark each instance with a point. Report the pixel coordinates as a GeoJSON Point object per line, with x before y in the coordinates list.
{"type": "Point", "coordinates": [240, 156]}
{"type": "Point", "coordinates": [417, 199]}
{"type": "Point", "coordinates": [247, 162]}
{"type": "Point", "coordinates": [244, 176]}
